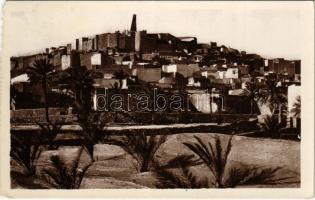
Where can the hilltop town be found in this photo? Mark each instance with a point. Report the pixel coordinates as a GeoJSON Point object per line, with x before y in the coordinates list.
{"type": "Point", "coordinates": [133, 59]}
{"type": "Point", "coordinates": [135, 109]}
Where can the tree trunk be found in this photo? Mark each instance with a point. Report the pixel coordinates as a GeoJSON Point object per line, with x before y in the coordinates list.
{"type": "Point", "coordinates": [218, 184]}
{"type": "Point", "coordinates": [120, 83]}
{"type": "Point", "coordinates": [210, 101]}
{"type": "Point", "coordinates": [144, 166]}
{"type": "Point", "coordinates": [280, 114]}
{"type": "Point", "coordinates": [90, 148]}
{"type": "Point", "coordinates": [46, 99]}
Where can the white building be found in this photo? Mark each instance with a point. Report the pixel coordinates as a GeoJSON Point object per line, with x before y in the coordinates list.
{"type": "Point", "coordinates": [231, 73]}
{"type": "Point", "coordinates": [186, 70]}
{"type": "Point", "coordinates": [193, 83]}
{"type": "Point", "coordinates": [170, 68]}
{"type": "Point", "coordinates": [96, 59]}
{"type": "Point", "coordinates": [65, 62]}
{"type": "Point", "coordinates": [204, 73]}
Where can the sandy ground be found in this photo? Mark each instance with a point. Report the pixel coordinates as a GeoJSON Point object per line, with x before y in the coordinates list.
{"type": "Point", "coordinates": [114, 168]}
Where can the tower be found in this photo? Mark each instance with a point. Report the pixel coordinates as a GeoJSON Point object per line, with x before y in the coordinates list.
{"type": "Point", "coordinates": [133, 27]}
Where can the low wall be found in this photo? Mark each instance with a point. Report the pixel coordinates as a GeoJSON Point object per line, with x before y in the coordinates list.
{"type": "Point", "coordinates": [30, 116]}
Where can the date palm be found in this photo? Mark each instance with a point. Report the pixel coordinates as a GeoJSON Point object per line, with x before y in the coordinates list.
{"type": "Point", "coordinates": [92, 126]}
{"type": "Point", "coordinates": [186, 179]}
{"type": "Point", "coordinates": [63, 176]}
{"type": "Point", "coordinates": [274, 95]}
{"type": "Point", "coordinates": [26, 153]}
{"type": "Point", "coordinates": [81, 83]}
{"type": "Point", "coordinates": [251, 91]}
{"type": "Point", "coordinates": [271, 127]}
{"type": "Point", "coordinates": [297, 107]}
{"type": "Point", "coordinates": [41, 73]}
{"type": "Point", "coordinates": [142, 148]}
{"type": "Point", "coordinates": [213, 155]}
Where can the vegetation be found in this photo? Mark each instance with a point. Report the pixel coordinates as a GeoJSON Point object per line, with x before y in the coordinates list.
{"type": "Point", "coordinates": [26, 150]}
{"type": "Point", "coordinates": [233, 177]}
{"type": "Point", "coordinates": [186, 179]}
{"type": "Point", "coordinates": [81, 83]}
{"type": "Point", "coordinates": [142, 148]}
{"type": "Point", "coordinates": [64, 176]}
{"type": "Point", "coordinates": [251, 91]}
{"type": "Point", "coordinates": [41, 73]}
{"type": "Point", "coordinates": [92, 126]}
{"type": "Point", "coordinates": [271, 127]}
{"type": "Point", "coordinates": [208, 85]}
{"type": "Point", "coordinates": [274, 95]}
{"type": "Point", "coordinates": [26, 153]}
{"type": "Point", "coordinates": [49, 132]}
{"type": "Point", "coordinates": [244, 175]}
{"type": "Point", "coordinates": [297, 107]}
{"type": "Point", "coordinates": [213, 155]}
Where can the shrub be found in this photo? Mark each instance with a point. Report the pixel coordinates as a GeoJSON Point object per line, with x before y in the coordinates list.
{"type": "Point", "coordinates": [25, 153]}
{"type": "Point", "coordinates": [271, 127]}
{"type": "Point", "coordinates": [142, 148]}
{"type": "Point", "coordinates": [186, 179]}
{"type": "Point", "coordinates": [63, 177]}
{"type": "Point", "coordinates": [213, 156]}
{"type": "Point", "coordinates": [92, 126]}
{"type": "Point", "coordinates": [215, 159]}
{"type": "Point", "coordinates": [49, 132]}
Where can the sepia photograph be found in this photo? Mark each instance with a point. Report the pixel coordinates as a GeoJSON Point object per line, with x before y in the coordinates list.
{"type": "Point", "coordinates": [158, 95]}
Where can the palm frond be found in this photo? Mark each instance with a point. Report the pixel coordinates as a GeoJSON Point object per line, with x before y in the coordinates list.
{"type": "Point", "coordinates": [255, 176]}
{"type": "Point", "coordinates": [297, 107]}
{"type": "Point", "coordinates": [186, 179]}
{"type": "Point", "coordinates": [25, 152]}
{"type": "Point", "coordinates": [212, 155]}
{"type": "Point", "coordinates": [64, 177]}
{"type": "Point", "coordinates": [142, 148]}
{"type": "Point", "coordinates": [271, 127]}
{"type": "Point", "coordinates": [169, 179]}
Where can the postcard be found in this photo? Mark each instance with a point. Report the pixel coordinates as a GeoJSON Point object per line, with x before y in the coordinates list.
{"type": "Point", "coordinates": [153, 99]}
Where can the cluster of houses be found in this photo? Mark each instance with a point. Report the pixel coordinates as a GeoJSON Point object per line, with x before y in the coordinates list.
{"type": "Point", "coordinates": [163, 61]}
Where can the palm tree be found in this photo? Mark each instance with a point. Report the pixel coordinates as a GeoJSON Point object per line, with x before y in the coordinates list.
{"type": "Point", "coordinates": [142, 148]}
{"type": "Point", "coordinates": [206, 84]}
{"type": "Point", "coordinates": [274, 95]}
{"type": "Point", "coordinates": [297, 107]}
{"type": "Point", "coordinates": [242, 175]}
{"type": "Point", "coordinates": [251, 92]}
{"type": "Point", "coordinates": [213, 156]}
{"type": "Point", "coordinates": [271, 127]}
{"type": "Point", "coordinates": [81, 83]}
{"type": "Point", "coordinates": [40, 73]}
{"type": "Point", "coordinates": [181, 81]}
{"type": "Point", "coordinates": [26, 153]}
{"type": "Point", "coordinates": [64, 177]}
{"type": "Point", "coordinates": [92, 126]}
{"type": "Point", "coordinates": [187, 179]}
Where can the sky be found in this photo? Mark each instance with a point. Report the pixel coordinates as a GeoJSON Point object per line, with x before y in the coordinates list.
{"type": "Point", "coordinates": [271, 29]}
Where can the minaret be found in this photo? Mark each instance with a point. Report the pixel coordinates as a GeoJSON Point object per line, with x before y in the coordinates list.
{"type": "Point", "coordinates": [133, 27]}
